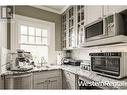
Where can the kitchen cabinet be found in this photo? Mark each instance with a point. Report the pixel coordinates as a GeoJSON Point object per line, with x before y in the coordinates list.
{"type": "Point", "coordinates": [20, 81]}
{"type": "Point", "coordinates": [64, 30]}
{"type": "Point", "coordinates": [69, 80]}
{"type": "Point", "coordinates": [40, 84]}
{"type": "Point", "coordinates": [68, 29]}
{"type": "Point", "coordinates": [54, 83]}
{"type": "Point", "coordinates": [110, 9]}
{"type": "Point", "coordinates": [93, 13]}
{"type": "Point", "coordinates": [80, 23]}
{"type": "Point", "coordinates": [47, 80]}
{"type": "Point", "coordinates": [76, 17]}
{"type": "Point", "coordinates": [71, 33]}
{"type": "Point", "coordinates": [8, 82]}
{"type": "Point", "coordinates": [1, 82]}
{"type": "Point", "coordinates": [73, 21]}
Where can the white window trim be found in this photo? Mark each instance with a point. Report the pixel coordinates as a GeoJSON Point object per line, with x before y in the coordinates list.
{"type": "Point", "coordinates": [19, 25]}
{"type": "Point", "coordinates": [15, 36]}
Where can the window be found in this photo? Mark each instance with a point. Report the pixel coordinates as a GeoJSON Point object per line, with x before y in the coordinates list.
{"type": "Point", "coordinates": [34, 40]}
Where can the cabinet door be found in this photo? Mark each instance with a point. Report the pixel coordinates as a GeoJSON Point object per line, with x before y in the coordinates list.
{"type": "Point", "coordinates": [68, 83]}
{"type": "Point", "coordinates": [18, 81]}
{"type": "Point", "coordinates": [71, 32]}
{"type": "Point", "coordinates": [93, 13]}
{"type": "Point", "coordinates": [64, 30]}
{"type": "Point", "coordinates": [68, 27]}
{"type": "Point", "coordinates": [123, 8]}
{"type": "Point", "coordinates": [1, 82]}
{"type": "Point", "coordinates": [55, 83]}
{"type": "Point", "coordinates": [80, 22]}
{"type": "Point", "coordinates": [26, 82]}
{"type": "Point", "coordinates": [40, 84]}
{"type": "Point", "coordinates": [8, 82]}
{"type": "Point", "coordinates": [110, 9]}
{"type": "Point", "coordinates": [69, 80]}
{"type": "Point", "coordinates": [42, 79]}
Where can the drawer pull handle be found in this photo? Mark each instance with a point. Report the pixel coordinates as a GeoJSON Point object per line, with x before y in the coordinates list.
{"type": "Point", "coordinates": [40, 83]}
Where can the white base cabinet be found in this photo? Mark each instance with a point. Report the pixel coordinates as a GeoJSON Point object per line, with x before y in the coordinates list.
{"type": "Point", "coordinates": [47, 80]}
{"type": "Point", "coordinates": [69, 80]}
{"type": "Point", "coordinates": [18, 81]}
{"type": "Point", "coordinates": [1, 82]}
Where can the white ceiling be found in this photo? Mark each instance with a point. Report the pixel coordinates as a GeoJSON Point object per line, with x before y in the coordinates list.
{"type": "Point", "coordinates": [53, 8]}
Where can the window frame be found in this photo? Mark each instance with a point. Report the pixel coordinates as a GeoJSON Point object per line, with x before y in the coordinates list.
{"type": "Point", "coordinates": [35, 36]}
{"type": "Point", "coordinates": [15, 37]}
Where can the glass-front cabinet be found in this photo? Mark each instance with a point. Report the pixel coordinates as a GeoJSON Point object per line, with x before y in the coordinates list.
{"type": "Point", "coordinates": [80, 23]}
{"type": "Point", "coordinates": [64, 32]}
{"type": "Point", "coordinates": [71, 33]}
{"type": "Point", "coordinates": [75, 18]}
{"type": "Point", "coordinates": [69, 25]}
{"type": "Point", "coordinates": [73, 21]}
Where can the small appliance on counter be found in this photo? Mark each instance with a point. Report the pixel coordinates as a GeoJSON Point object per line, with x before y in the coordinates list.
{"type": "Point", "coordinates": [85, 65]}
{"type": "Point", "coordinates": [20, 61]}
{"type": "Point", "coordinates": [112, 64]}
{"type": "Point", "coordinates": [69, 61]}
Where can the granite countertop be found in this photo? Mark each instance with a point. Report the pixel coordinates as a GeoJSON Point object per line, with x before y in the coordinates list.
{"type": "Point", "coordinates": [55, 67]}
{"type": "Point", "coordinates": [76, 70]}
{"type": "Point", "coordinates": [94, 77]}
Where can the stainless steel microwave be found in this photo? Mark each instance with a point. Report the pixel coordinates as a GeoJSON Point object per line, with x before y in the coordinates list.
{"type": "Point", "coordinates": [112, 64]}
{"type": "Point", "coordinates": [109, 26]}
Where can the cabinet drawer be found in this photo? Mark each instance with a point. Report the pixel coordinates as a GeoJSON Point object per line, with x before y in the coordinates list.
{"type": "Point", "coordinates": [45, 74]}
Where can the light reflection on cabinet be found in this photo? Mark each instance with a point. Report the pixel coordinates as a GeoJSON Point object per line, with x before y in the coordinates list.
{"type": "Point", "coordinates": [64, 23]}
{"type": "Point", "coordinates": [81, 21]}
{"type": "Point", "coordinates": [71, 28]}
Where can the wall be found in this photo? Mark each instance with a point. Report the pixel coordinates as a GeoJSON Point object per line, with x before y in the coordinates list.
{"type": "Point", "coordinates": [3, 32]}
{"type": "Point", "coordinates": [33, 12]}
{"type": "Point", "coordinates": [83, 54]}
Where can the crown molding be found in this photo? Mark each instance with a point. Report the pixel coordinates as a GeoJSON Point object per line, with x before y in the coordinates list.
{"type": "Point", "coordinates": [52, 10]}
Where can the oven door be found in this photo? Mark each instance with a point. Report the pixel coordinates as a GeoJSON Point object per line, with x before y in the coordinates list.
{"type": "Point", "coordinates": [107, 65]}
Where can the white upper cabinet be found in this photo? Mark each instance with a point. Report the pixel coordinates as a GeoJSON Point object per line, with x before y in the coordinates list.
{"type": "Point", "coordinates": [76, 17]}
{"type": "Point", "coordinates": [93, 13]}
{"type": "Point", "coordinates": [123, 8]}
{"type": "Point", "coordinates": [112, 9]}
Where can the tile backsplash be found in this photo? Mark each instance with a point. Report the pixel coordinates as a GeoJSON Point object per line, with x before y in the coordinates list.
{"type": "Point", "coordinates": [60, 55]}
{"type": "Point", "coordinates": [83, 54]}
